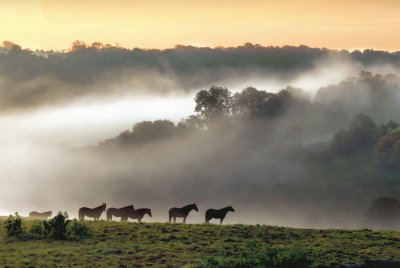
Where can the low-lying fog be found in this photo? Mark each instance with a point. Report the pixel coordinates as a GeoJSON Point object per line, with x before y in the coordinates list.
{"type": "Point", "coordinates": [44, 165]}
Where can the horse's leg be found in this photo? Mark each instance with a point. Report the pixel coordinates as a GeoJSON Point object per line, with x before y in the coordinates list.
{"type": "Point", "coordinates": [220, 220]}
{"type": "Point", "coordinates": [184, 219]}
{"type": "Point", "coordinates": [174, 219]}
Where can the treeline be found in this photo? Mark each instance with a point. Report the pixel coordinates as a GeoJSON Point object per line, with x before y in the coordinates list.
{"type": "Point", "coordinates": [292, 115]}
{"type": "Point", "coordinates": [84, 62]}
{"type": "Point", "coordinates": [32, 78]}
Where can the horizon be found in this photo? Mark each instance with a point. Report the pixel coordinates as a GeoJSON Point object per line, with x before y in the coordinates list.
{"type": "Point", "coordinates": [43, 24]}
{"type": "Point", "coordinates": [7, 44]}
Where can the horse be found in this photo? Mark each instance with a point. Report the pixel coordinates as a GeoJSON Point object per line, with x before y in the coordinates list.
{"type": "Point", "coordinates": [123, 212]}
{"type": "Point", "coordinates": [139, 213]}
{"type": "Point", "coordinates": [91, 212]}
{"type": "Point", "coordinates": [182, 212]}
{"type": "Point", "coordinates": [218, 213]}
{"type": "Point", "coordinates": [40, 215]}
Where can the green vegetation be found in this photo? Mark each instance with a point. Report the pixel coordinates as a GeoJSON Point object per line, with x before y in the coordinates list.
{"type": "Point", "coordinates": [57, 228]}
{"type": "Point", "coordinates": [115, 244]}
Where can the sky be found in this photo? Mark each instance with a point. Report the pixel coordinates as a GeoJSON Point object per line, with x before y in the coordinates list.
{"type": "Point", "coordinates": [339, 24]}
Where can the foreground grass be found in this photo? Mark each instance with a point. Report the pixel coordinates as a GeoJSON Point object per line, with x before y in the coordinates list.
{"type": "Point", "coordinates": [115, 244]}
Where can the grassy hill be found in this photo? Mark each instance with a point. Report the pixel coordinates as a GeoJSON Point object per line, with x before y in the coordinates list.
{"type": "Point", "coordinates": [115, 244]}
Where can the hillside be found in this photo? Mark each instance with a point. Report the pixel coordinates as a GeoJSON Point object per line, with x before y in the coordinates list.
{"type": "Point", "coordinates": [115, 244]}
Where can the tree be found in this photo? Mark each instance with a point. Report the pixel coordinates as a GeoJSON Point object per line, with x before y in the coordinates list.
{"type": "Point", "coordinates": [213, 103]}
{"type": "Point", "coordinates": [250, 103]}
{"type": "Point", "coordinates": [363, 133]}
{"type": "Point", "coordinates": [387, 150]}
{"type": "Point", "coordinates": [388, 127]}
{"type": "Point", "coordinates": [78, 45]}
{"type": "Point", "coordinates": [364, 130]}
{"type": "Point", "coordinates": [278, 103]}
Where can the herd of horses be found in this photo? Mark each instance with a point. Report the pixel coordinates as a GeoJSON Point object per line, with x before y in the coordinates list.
{"type": "Point", "coordinates": [130, 212]}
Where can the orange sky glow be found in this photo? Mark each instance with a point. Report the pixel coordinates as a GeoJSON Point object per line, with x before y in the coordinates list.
{"type": "Point", "coordinates": [339, 24]}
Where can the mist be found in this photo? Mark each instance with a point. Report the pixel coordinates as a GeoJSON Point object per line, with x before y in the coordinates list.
{"type": "Point", "coordinates": [61, 133]}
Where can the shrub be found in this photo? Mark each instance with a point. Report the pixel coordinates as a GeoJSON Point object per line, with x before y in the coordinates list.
{"type": "Point", "coordinates": [37, 230]}
{"type": "Point", "coordinates": [13, 226]}
{"type": "Point", "coordinates": [56, 228]}
{"type": "Point", "coordinates": [256, 255]}
{"type": "Point", "coordinates": [294, 257]}
{"type": "Point", "coordinates": [79, 230]}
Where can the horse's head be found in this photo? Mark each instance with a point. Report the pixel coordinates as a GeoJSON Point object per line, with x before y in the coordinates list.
{"type": "Point", "coordinates": [230, 208]}
{"type": "Point", "coordinates": [104, 206]}
{"type": "Point", "coordinates": [149, 212]}
{"type": "Point", "coordinates": [194, 207]}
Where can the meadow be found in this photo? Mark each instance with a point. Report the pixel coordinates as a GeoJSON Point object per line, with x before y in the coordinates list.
{"type": "Point", "coordinates": [116, 244]}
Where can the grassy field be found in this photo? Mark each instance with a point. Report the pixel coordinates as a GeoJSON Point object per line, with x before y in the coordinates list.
{"type": "Point", "coordinates": [115, 244]}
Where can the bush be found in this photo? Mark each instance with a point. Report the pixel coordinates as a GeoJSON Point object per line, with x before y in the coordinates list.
{"type": "Point", "coordinates": [256, 255]}
{"type": "Point", "coordinates": [79, 230]}
{"type": "Point", "coordinates": [56, 228]}
{"type": "Point", "coordinates": [13, 226]}
{"type": "Point", "coordinates": [37, 230]}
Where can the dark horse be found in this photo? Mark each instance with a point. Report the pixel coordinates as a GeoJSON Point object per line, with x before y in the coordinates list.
{"type": "Point", "coordinates": [123, 212]}
{"type": "Point", "coordinates": [217, 213]}
{"type": "Point", "coordinates": [139, 213]}
{"type": "Point", "coordinates": [182, 212]}
{"type": "Point", "coordinates": [91, 212]}
{"type": "Point", "coordinates": [40, 215]}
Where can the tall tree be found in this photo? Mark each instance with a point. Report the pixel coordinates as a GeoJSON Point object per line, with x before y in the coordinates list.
{"type": "Point", "coordinates": [213, 103]}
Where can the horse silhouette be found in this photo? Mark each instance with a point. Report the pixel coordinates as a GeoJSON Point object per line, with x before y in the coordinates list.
{"type": "Point", "coordinates": [182, 212]}
{"type": "Point", "coordinates": [123, 212]}
{"type": "Point", "coordinates": [94, 213]}
{"type": "Point", "coordinates": [139, 213]}
{"type": "Point", "coordinates": [40, 215]}
{"type": "Point", "coordinates": [218, 213]}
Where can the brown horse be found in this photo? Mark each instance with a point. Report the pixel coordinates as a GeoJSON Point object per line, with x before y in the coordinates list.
{"type": "Point", "coordinates": [182, 212]}
{"type": "Point", "coordinates": [139, 213]}
{"type": "Point", "coordinates": [40, 215]}
{"type": "Point", "coordinates": [123, 212]}
{"type": "Point", "coordinates": [217, 213]}
{"type": "Point", "coordinates": [94, 213]}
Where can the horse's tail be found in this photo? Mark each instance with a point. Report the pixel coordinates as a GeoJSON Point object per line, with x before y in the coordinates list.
{"type": "Point", "coordinates": [108, 214]}
{"type": "Point", "coordinates": [170, 215]}
{"type": "Point", "coordinates": [207, 217]}
{"type": "Point", "coordinates": [81, 215]}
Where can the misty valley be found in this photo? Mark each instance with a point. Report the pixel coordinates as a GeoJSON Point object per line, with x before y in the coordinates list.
{"type": "Point", "coordinates": [298, 137]}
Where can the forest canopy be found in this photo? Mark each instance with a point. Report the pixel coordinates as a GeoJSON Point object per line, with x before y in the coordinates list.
{"type": "Point", "coordinates": [31, 78]}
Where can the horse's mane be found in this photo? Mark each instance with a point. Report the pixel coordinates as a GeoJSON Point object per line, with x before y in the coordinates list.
{"type": "Point", "coordinates": [143, 209]}
{"type": "Point", "coordinates": [188, 206]}
{"type": "Point", "coordinates": [130, 206]}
